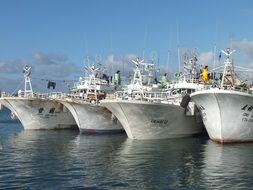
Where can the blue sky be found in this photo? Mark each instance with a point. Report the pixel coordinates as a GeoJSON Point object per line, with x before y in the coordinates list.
{"type": "Point", "coordinates": [54, 36]}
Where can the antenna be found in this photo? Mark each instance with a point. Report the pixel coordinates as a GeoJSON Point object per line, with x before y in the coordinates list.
{"type": "Point", "coordinates": [85, 43]}
{"type": "Point", "coordinates": [168, 62]}
{"type": "Point", "coordinates": [86, 63]}
{"type": "Point", "coordinates": [214, 56]}
{"type": "Point", "coordinates": [178, 54]}
{"type": "Point", "coordinates": [231, 40]}
{"type": "Point", "coordinates": [111, 52]}
{"type": "Point", "coordinates": [214, 50]}
{"type": "Point", "coordinates": [144, 42]}
{"type": "Point", "coordinates": [111, 42]}
{"type": "Point", "coordinates": [178, 50]}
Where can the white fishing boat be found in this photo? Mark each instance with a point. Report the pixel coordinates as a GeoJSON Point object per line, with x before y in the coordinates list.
{"type": "Point", "coordinates": [83, 103]}
{"type": "Point", "coordinates": [227, 111]}
{"type": "Point", "coordinates": [149, 112]}
{"type": "Point", "coordinates": [37, 111]}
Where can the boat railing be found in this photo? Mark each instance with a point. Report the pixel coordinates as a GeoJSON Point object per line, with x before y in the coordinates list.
{"type": "Point", "coordinates": [20, 94]}
{"type": "Point", "coordinates": [244, 89]}
{"type": "Point", "coordinates": [188, 79]}
{"type": "Point", "coordinates": [155, 95]}
{"type": "Point", "coordinates": [159, 96]}
{"type": "Point", "coordinates": [35, 95]}
{"type": "Point", "coordinates": [86, 81]}
{"type": "Point", "coordinates": [5, 94]}
{"type": "Point", "coordinates": [51, 95]}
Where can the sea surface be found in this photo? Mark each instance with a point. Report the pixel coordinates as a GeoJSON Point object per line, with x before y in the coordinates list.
{"type": "Point", "coordinates": [65, 159]}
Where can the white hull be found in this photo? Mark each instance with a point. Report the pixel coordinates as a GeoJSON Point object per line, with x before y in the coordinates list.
{"type": "Point", "coordinates": [39, 114]}
{"type": "Point", "coordinates": [144, 120]}
{"type": "Point", "coordinates": [92, 119]}
{"type": "Point", "coordinates": [227, 115]}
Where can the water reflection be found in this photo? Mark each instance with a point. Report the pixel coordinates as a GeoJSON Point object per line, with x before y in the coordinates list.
{"type": "Point", "coordinates": [66, 159]}
{"type": "Point", "coordinates": [159, 164]}
{"type": "Point", "coordinates": [35, 157]}
{"type": "Point", "coordinates": [5, 116]}
{"type": "Point", "coordinates": [226, 166]}
{"type": "Point", "coordinates": [96, 159]}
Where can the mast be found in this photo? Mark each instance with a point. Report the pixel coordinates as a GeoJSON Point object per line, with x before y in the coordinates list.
{"type": "Point", "coordinates": [178, 54]}
{"type": "Point", "coordinates": [178, 50]}
{"type": "Point", "coordinates": [214, 64]}
{"type": "Point", "coordinates": [144, 42]}
{"type": "Point", "coordinates": [28, 86]}
{"type": "Point", "coordinates": [92, 80]}
{"type": "Point", "coordinates": [190, 66]}
{"type": "Point", "coordinates": [168, 62]}
{"type": "Point", "coordinates": [228, 68]}
{"type": "Point", "coordinates": [137, 79]}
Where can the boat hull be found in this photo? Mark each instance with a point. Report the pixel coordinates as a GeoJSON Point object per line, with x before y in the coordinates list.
{"type": "Point", "coordinates": [39, 114]}
{"type": "Point", "coordinates": [93, 119]}
{"type": "Point", "coordinates": [227, 115]}
{"type": "Point", "coordinates": [145, 120]}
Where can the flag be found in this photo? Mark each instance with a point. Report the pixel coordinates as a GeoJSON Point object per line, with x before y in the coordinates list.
{"type": "Point", "coordinates": [51, 84]}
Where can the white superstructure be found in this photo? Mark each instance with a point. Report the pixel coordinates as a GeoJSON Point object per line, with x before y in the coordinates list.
{"type": "Point", "coordinates": [151, 112]}
{"type": "Point", "coordinates": [227, 111]}
{"type": "Point", "coordinates": [83, 103]}
{"type": "Point", "coordinates": [37, 111]}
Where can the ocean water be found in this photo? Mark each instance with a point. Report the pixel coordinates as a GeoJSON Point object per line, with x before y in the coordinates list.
{"type": "Point", "coordinates": [65, 159]}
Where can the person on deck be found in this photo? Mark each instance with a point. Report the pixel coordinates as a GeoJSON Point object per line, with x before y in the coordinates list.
{"type": "Point", "coordinates": [205, 74]}
{"type": "Point", "coordinates": [164, 79]}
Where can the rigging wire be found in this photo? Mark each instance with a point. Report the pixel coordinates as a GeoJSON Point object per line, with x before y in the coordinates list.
{"type": "Point", "coordinates": [56, 80]}
{"type": "Point", "coordinates": [17, 87]}
{"type": "Point", "coordinates": [238, 68]}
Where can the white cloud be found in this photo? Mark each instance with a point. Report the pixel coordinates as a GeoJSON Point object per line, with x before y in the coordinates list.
{"type": "Point", "coordinates": [10, 84]}
{"type": "Point", "coordinates": [12, 67]}
{"type": "Point", "coordinates": [49, 59]}
{"type": "Point", "coordinates": [122, 63]}
{"type": "Point", "coordinates": [51, 67]}
{"type": "Point", "coordinates": [244, 57]}
{"type": "Point", "coordinates": [244, 46]}
{"type": "Point", "coordinates": [207, 58]}
{"type": "Point", "coordinates": [57, 71]}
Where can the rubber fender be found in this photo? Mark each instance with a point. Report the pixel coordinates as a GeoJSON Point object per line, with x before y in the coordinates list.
{"type": "Point", "coordinates": [185, 101]}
